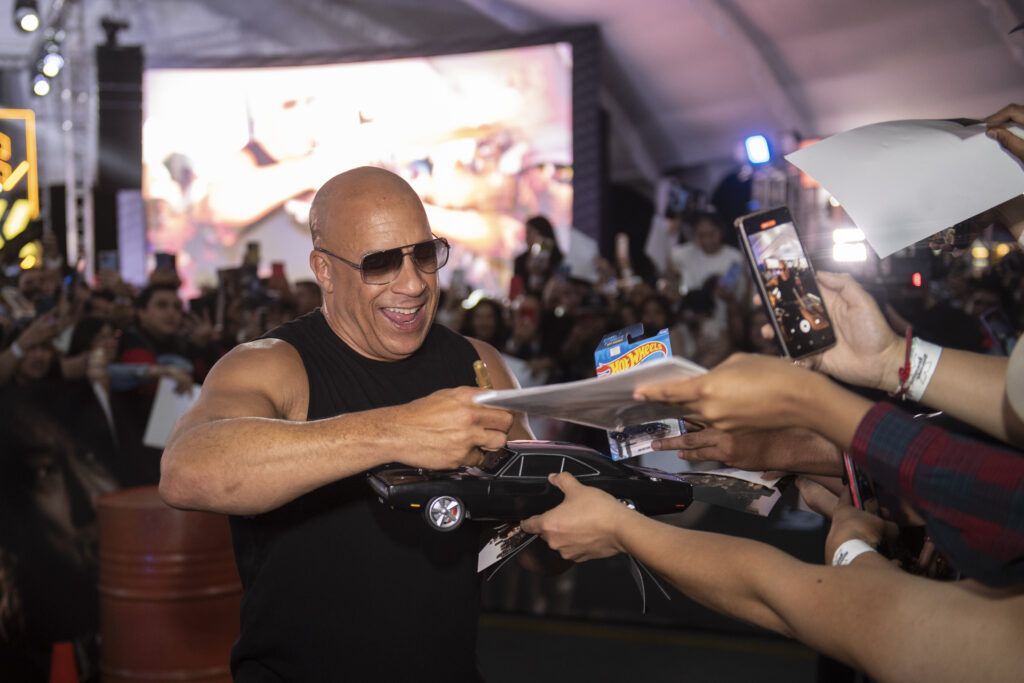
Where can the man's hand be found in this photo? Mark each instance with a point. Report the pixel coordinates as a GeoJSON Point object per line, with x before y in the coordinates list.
{"type": "Point", "coordinates": [446, 429]}
{"type": "Point", "coordinates": [787, 450]}
{"type": "Point", "coordinates": [1011, 113]}
{"type": "Point", "coordinates": [867, 352]}
{"type": "Point", "coordinates": [584, 526]}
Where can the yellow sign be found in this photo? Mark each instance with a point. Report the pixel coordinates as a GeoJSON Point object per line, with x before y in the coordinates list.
{"type": "Point", "coordinates": [19, 180]}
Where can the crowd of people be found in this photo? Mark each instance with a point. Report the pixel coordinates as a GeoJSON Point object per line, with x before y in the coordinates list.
{"type": "Point", "coordinates": [80, 364]}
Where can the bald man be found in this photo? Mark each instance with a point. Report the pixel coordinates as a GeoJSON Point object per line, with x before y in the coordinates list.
{"type": "Point", "coordinates": [336, 586]}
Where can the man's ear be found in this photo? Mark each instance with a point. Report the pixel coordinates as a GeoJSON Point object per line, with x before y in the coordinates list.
{"type": "Point", "coordinates": [321, 270]}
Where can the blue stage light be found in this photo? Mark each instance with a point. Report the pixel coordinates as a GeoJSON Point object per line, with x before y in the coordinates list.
{"type": "Point", "coordinates": [758, 151]}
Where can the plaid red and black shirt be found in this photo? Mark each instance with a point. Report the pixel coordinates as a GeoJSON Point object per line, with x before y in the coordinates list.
{"type": "Point", "coordinates": [971, 494]}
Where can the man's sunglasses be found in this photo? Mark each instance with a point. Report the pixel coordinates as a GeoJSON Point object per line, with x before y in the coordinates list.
{"type": "Point", "coordinates": [382, 267]}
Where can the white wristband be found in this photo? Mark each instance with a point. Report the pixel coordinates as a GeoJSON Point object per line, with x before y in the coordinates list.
{"type": "Point", "coordinates": [924, 358]}
{"type": "Point", "coordinates": [850, 550]}
{"type": "Point", "coordinates": [16, 350]}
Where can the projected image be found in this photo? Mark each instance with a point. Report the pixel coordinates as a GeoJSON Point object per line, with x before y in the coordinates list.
{"type": "Point", "coordinates": [234, 156]}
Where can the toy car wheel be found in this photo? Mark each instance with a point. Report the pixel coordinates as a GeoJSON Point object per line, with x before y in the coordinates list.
{"type": "Point", "coordinates": [445, 513]}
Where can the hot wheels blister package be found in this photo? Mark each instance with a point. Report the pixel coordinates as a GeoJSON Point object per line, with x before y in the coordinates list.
{"type": "Point", "coordinates": [624, 349]}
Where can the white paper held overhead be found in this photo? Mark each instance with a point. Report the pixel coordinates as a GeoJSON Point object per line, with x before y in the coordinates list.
{"type": "Point", "coordinates": [902, 181]}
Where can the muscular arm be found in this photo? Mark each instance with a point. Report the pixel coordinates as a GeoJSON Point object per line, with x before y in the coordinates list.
{"type": "Point", "coordinates": [244, 447]}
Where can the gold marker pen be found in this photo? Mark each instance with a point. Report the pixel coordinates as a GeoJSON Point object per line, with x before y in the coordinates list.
{"type": "Point", "coordinates": [483, 378]}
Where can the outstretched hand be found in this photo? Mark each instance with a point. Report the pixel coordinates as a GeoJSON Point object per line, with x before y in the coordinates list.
{"type": "Point", "coordinates": [848, 522]}
{"type": "Point", "coordinates": [584, 526]}
{"type": "Point", "coordinates": [787, 450]}
{"type": "Point", "coordinates": [742, 392]}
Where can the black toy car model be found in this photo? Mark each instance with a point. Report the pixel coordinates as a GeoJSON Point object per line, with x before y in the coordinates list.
{"type": "Point", "coordinates": [512, 484]}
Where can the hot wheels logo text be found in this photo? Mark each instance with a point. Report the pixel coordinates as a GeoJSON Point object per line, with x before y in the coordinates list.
{"type": "Point", "coordinates": [634, 357]}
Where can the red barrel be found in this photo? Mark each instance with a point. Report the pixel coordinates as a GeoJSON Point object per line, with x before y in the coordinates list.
{"type": "Point", "coordinates": [169, 590]}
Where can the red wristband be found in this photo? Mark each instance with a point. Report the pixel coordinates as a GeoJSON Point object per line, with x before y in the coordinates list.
{"type": "Point", "coordinates": [904, 372]}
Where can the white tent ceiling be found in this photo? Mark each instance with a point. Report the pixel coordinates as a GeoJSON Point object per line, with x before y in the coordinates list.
{"type": "Point", "coordinates": [683, 80]}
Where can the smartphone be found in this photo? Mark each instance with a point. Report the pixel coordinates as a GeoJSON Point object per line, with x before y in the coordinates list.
{"type": "Point", "coordinates": [785, 279]}
{"type": "Point", "coordinates": [862, 490]}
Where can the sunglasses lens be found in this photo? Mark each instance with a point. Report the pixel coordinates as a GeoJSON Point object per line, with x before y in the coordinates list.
{"type": "Point", "coordinates": [380, 267]}
{"type": "Point", "coordinates": [430, 256]}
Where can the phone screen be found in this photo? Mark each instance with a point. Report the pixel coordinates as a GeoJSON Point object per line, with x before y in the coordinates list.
{"type": "Point", "coordinates": [786, 281]}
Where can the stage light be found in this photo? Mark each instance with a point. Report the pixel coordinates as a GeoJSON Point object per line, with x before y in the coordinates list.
{"type": "Point", "coordinates": [915, 279]}
{"type": "Point", "coordinates": [757, 148]}
{"type": "Point", "coordinates": [848, 245]}
{"type": "Point", "coordinates": [1002, 249]}
{"type": "Point", "coordinates": [41, 85]}
{"type": "Point", "coordinates": [51, 63]}
{"type": "Point", "coordinates": [26, 15]}
{"type": "Point", "coordinates": [849, 252]}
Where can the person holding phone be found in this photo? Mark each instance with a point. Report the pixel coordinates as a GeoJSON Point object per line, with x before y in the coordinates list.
{"type": "Point", "coordinates": [967, 492]}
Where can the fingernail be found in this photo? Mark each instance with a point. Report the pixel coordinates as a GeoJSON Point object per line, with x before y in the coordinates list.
{"type": "Point", "coordinates": [656, 445]}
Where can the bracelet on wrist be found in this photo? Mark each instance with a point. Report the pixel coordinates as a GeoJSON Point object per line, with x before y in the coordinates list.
{"type": "Point", "coordinates": [904, 372]}
{"type": "Point", "coordinates": [924, 361]}
{"type": "Point", "coordinates": [850, 550]}
{"type": "Point", "coordinates": [921, 360]}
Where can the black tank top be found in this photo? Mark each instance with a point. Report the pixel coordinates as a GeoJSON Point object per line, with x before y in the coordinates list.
{"type": "Point", "coordinates": [336, 586]}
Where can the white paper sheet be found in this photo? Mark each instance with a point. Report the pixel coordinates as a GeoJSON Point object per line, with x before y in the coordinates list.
{"type": "Point", "coordinates": [903, 181]}
{"type": "Point", "coordinates": [604, 402]}
{"type": "Point", "coordinates": [168, 406]}
{"type": "Point", "coordinates": [582, 257]}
